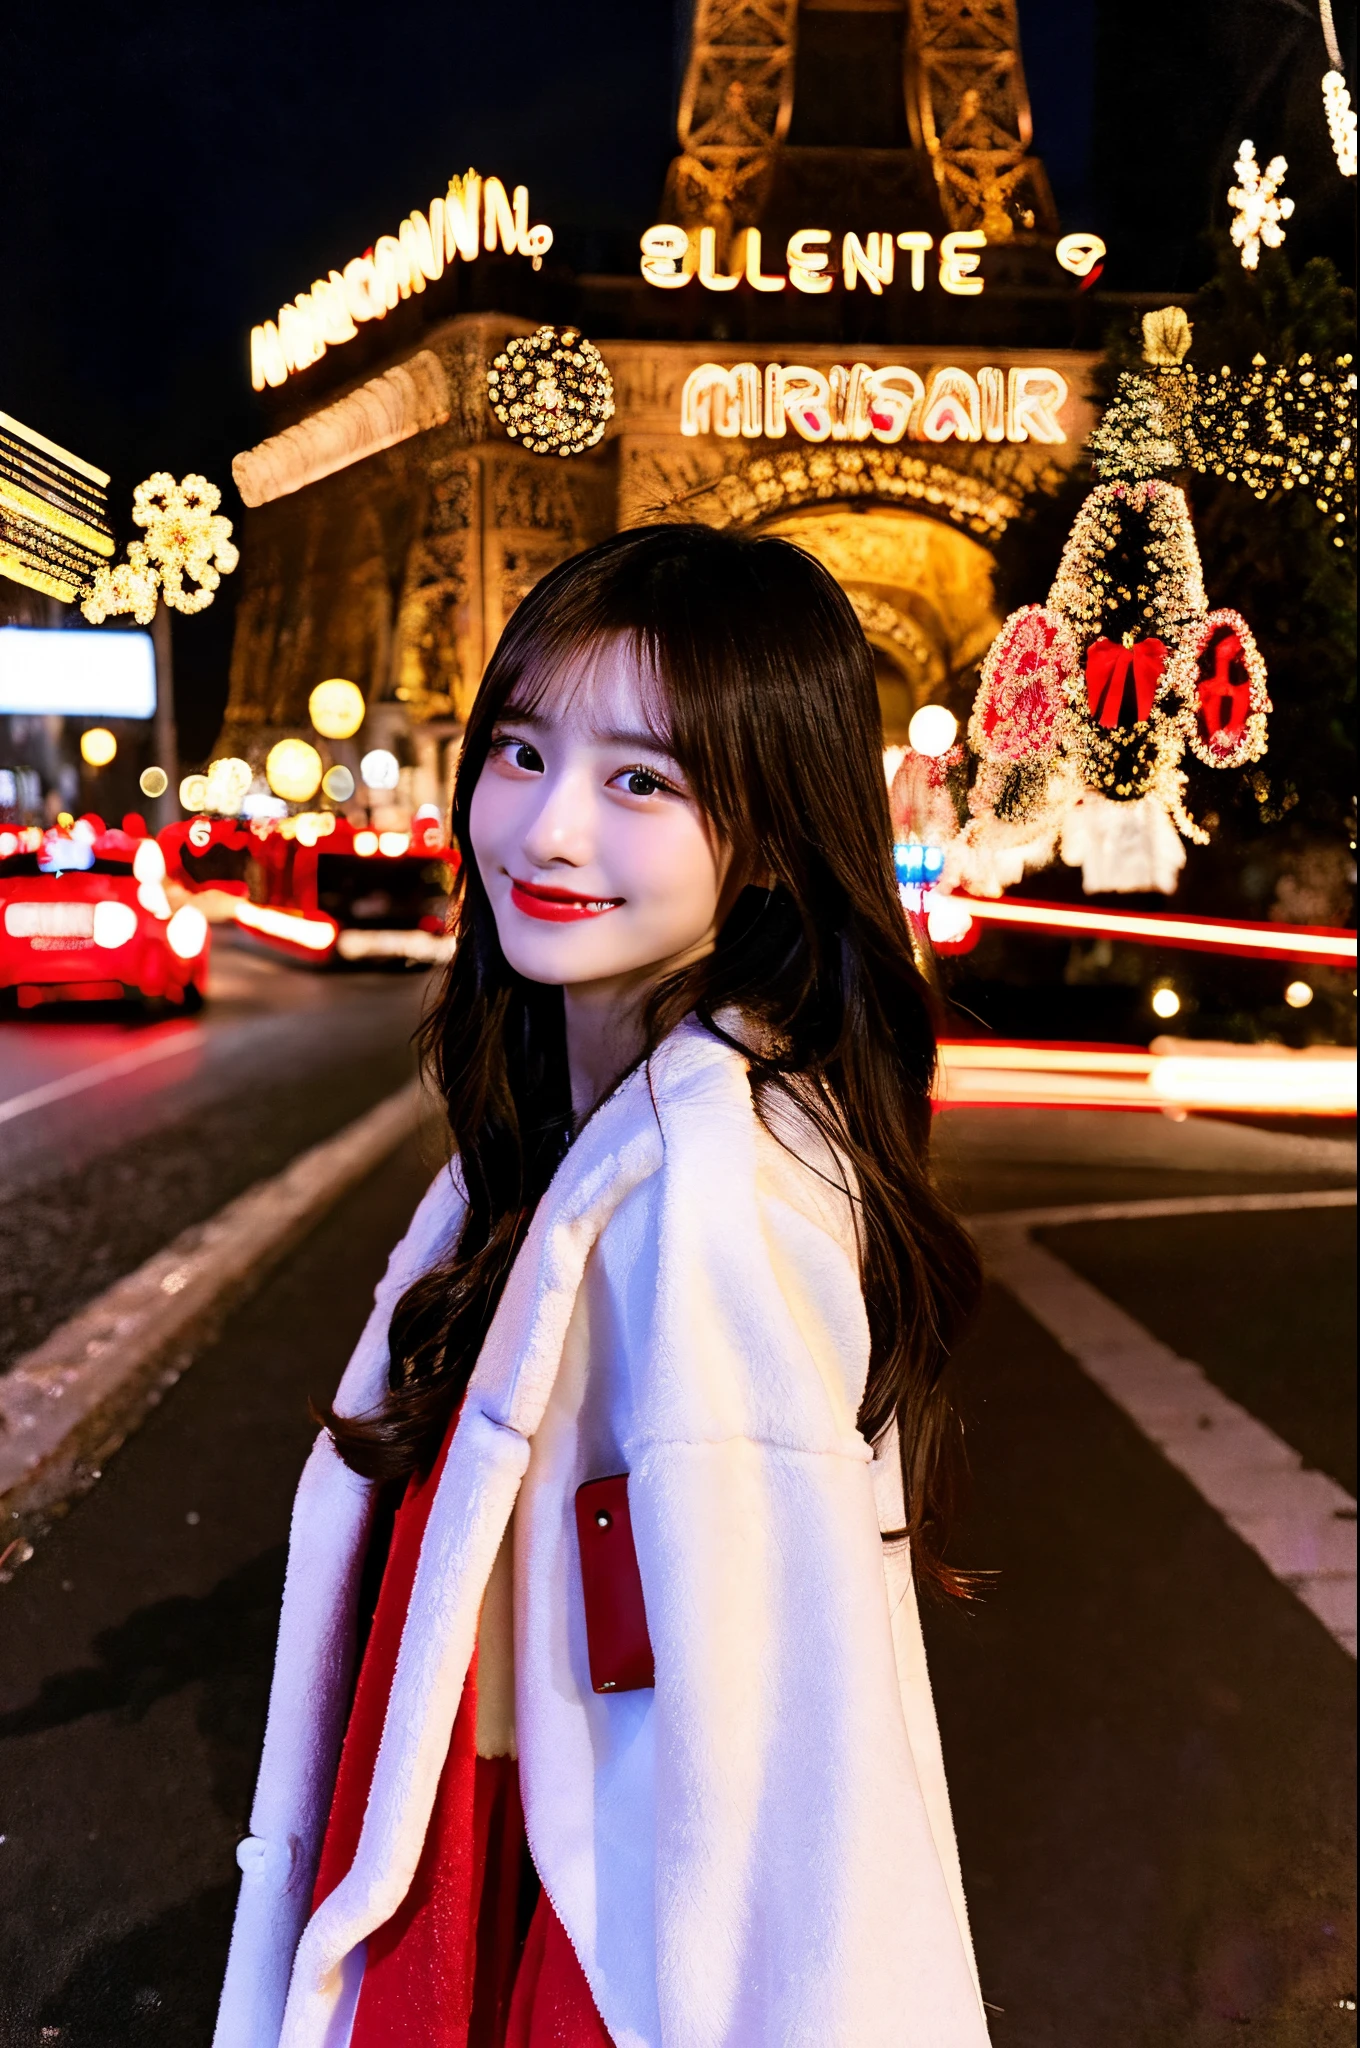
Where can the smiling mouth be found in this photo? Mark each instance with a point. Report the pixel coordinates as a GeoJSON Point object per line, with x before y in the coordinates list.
{"type": "Point", "coordinates": [558, 906]}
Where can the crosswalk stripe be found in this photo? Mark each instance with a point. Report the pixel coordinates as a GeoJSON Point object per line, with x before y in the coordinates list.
{"type": "Point", "coordinates": [1298, 1521]}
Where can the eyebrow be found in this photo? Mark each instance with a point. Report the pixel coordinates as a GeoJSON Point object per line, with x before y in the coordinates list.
{"type": "Point", "coordinates": [611, 736]}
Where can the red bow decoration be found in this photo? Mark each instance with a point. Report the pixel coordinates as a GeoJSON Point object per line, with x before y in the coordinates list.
{"type": "Point", "coordinates": [1224, 691]}
{"type": "Point", "coordinates": [1121, 682]}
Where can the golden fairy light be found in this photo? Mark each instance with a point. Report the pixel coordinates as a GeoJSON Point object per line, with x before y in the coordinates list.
{"type": "Point", "coordinates": [551, 391]}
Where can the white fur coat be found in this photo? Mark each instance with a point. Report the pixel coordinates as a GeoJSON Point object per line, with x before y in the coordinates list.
{"type": "Point", "coordinates": [759, 1852]}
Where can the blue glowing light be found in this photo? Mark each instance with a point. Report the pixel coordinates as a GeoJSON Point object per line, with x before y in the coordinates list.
{"type": "Point", "coordinates": [917, 866]}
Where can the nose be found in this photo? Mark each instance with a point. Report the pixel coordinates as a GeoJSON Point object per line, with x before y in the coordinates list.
{"type": "Point", "coordinates": [561, 830]}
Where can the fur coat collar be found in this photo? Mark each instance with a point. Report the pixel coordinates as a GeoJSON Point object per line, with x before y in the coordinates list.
{"type": "Point", "coordinates": [758, 1853]}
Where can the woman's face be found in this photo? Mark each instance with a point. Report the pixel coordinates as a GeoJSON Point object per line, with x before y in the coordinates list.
{"type": "Point", "coordinates": [597, 860]}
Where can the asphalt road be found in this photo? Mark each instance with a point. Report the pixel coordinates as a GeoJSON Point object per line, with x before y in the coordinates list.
{"type": "Point", "coordinates": [1149, 1738]}
{"type": "Point", "coordinates": [169, 1119]}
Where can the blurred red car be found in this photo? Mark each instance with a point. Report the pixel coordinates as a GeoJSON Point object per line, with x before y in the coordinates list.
{"type": "Point", "coordinates": [320, 890]}
{"type": "Point", "coordinates": [84, 916]}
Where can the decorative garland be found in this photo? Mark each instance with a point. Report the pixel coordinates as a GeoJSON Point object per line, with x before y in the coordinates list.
{"type": "Point", "coordinates": [552, 392]}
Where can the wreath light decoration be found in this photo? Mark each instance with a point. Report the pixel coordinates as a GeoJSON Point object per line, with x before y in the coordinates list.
{"type": "Point", "coordinates": [1219, 677]}
{"type": "Point", "coordinates": [552, 391]}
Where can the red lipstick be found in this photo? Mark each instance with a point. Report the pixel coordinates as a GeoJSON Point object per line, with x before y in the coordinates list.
{"type": "Point", "coordinates": [558, 906]}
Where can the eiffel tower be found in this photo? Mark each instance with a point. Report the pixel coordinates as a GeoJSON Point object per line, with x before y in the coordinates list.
{"type": "Point", "coordinates": [848, 112]}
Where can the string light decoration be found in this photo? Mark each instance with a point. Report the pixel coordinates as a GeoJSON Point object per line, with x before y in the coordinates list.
{"type": "Point", "coordinates": [1336, 104]}
{"type": "Point", "coordinates": [552, 392]}
{"type": "Point", "coordinates": [1272, 428]}
{"type": "Point", "coordinates": [1259, 209]}
{"type": "Point", "coordinates": [185, 537]}
{"type": "Point", "coordinates": [1336, 99]}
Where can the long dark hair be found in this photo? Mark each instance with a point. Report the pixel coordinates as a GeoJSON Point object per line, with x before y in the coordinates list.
{"type": "Point", "coordinates": [767, 686]}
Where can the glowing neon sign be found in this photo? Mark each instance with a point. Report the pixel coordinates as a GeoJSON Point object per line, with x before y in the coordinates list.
{"type": "Point", "coordinates": [671, 256]}
{"type": "Point", "coordinates": [474, 214]}
{"type": "Point", "coordinates": [852, 402]}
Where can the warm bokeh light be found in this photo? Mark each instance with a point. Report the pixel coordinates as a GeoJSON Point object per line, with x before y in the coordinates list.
{"type": "Point", "coordinates": [338, 784]}
{"type": "Point", "coordinates": [187, 932]}
{"type": "Point", "coordinates": [336, 708]}
{"type": "Point", "coordinates": [380, 769]}
{"type": "Point", "coordinates": [97, 746]}
{"type": "Point", "coordinates": [148, 862]}
{"type": "Point", "coordinates": [293, 769]}
{"type": "Point", "coordinates": [229, 783]}
{"type": "Point", "coordinates": [365, 844]}
{"type": "Point", "coordinates": [193, 792]}
{"type": "Point", "coordinates": [1170, 1074]}
{"type": "Point", "coordinates": [153, 782]}
{"type": "Point", "coordinates": [394, 844]}
{"type": "Point", "coordinates": [1165, 1002]}
{"type": "Point", "coordinates": [1298, 995]}
{"type": "Point", "coordinates": [933, 730]}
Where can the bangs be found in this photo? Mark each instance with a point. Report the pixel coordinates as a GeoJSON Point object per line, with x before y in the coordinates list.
{"type": "Point", "coordinates": [568, 669]}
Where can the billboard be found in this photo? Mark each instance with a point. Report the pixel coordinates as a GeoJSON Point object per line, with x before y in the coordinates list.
{"type": "Point", "coordinates": [76, 674]}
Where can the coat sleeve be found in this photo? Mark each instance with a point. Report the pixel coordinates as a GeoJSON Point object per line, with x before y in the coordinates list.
{"type": "Point", "coordinates": [327, 1540]}
{"type": "Point", "coordinates": [801, 1893]}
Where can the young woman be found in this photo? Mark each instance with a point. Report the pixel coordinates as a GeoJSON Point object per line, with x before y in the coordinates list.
{"type": "Point", "coordinates": [688, 1235]}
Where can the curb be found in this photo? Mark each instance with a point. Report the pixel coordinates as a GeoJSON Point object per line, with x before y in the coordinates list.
{"type": "Point", "coordinates": [68, 1405]}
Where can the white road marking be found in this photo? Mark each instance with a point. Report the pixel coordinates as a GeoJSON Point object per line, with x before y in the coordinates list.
{"type": "Point", "coordinates": [104, 1070]}
{"type": "Point", "coordinates": [1299, 1522]}
{"type": "Point", "coordinates": [68, 1404]}
{"type": "Point", "coordinates": [1172, 1205]}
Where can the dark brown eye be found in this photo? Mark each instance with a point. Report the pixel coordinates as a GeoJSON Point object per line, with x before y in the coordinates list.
{"type": "Point", "coordinates": [641, 783]}
{"type": "Point", "coordinates": [527, 757]}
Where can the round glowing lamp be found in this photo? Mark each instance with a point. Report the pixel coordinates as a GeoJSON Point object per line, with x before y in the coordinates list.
{"type": "Point", "coordinates": [193, 792]}
{"type": "Point", "coordinates": [1298, 995]}
{"type": "Point", "coordinates": [153, 782]}
{"type": "Point", "coordinates": [1165, 1002]}
{"type": "Point", "coordinates": [932, 730]}
{"type": "Point", "coordinates": [394, 844]}
{"type": "Point", "coordinates": [187, 932]}
{"type": "Point", "coordinates": [336, 709]}
{"type": "Point", "coordinates": [97, 746]}
{"type": "Point", "coordinates": [338, 785]}
{"type": "Point", "coordinates": [365, 844]}
{"type": "Point", "coordinates": [293, 770]}
{"type": "Point", "coordinates": [380, 769]}
{"type": "Point", "coordinates": [114, 924]}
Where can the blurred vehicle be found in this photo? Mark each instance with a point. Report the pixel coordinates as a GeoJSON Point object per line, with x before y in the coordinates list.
{"type": "Point", "coordinates": [320, 890]}
{"type": "Point", "coordinates": [85, 916]}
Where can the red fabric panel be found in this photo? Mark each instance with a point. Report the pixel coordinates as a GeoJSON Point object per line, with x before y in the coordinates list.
{"type": "Point", "coordinates": [552, 2006]}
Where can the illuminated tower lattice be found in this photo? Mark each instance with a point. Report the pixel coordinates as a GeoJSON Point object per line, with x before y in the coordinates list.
{"type": "Point", "coordinates": [792, 95]}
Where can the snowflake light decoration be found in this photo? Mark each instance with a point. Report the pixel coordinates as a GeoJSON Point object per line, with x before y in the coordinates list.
{"type": "Point", "coordinates": [118, 587]}
{"type": "Point", "coordinates": [185, 536]}
{"type": "Point", "coordinates": [551, 391]}
{"type": "Point", "coordinates": [1336, 101]}
{"type": "Point", "coordinates": [1259, 207]}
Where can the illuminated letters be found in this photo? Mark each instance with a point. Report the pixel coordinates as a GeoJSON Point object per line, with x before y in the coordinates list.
{"type": "Point", "coordinates": [808, 260]}
{"type": "Point", "coordinates": [720, 401]}
{"type": "Point", "coordinates": [953, 408]}
{"type": "Point", "coordinates": [474, 214]}
{"type": "Point", "coordinates": [854, 402]}
{"type": "Point", "coordinates": [671, 256]}
{"type": "Point", "coordinates": [1034, 398]}
{"type": "Point", "coordinates": [957, 262]}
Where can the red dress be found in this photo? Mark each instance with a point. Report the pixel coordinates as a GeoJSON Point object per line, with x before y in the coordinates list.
{"type": "Point", "coordinates": [451, 1969]}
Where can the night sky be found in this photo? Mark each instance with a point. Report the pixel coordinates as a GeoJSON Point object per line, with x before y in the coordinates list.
{"type": "Point", "coordinates": [169, 175]}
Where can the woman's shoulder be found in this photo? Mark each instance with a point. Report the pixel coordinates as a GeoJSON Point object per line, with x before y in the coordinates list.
{"type": "Point", "coordinates": [735, 1145]}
